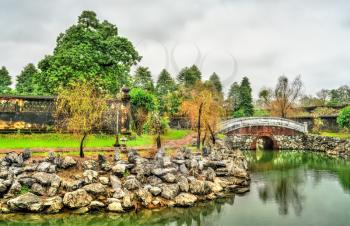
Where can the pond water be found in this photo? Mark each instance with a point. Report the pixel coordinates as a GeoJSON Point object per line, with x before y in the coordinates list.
{"type": "Point", "coordinates": [287, 188]}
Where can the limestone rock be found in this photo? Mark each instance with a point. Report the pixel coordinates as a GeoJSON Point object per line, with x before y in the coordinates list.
{"type": "Point", "coordinates": [67, 162]}
{"type": "Point", "coordinates": [169, 177]}
{"type": "Point", "coordinates": [26, 202]}
{"type": "Point", "coordinates": [185, 199]}
{"type": "Point", "coordinates": [96, 205]}
{"type": "Point", "coordinates": [47, 179]}
{"type": "Point", "coordinates": [115, 182]}
{"type": "Point", "coordinates": [90, 176]}
{"type": "Point", "coordinates": [199, 187]}
{"type": "Point", "coordinates": [90, 165]}
{"type": "Point", "coordinates": [103, 180]}
{"type": "Point", "coordinates": [115, 207]}
{"type": "Point", "coordinates": [95, 189]}
{"type": "Point", "coordinates": [145, 196]}
{"type": "Point", "coordinates": [155, 190]}
{"type": "Point", "coordinates": [170, 191]}
{"type": "Point", "coordinates": [46, 167]}
{"type": "Point", "coordinates": [131, 183]}
{"type": "Point", "coordinates": [77, 199]}
{"type": "Point", "coordinates": [119, 169]}
{"type": "Point", "coordinates": [53, 205]}
{"type": "Point", "coordinates": [38, 189]}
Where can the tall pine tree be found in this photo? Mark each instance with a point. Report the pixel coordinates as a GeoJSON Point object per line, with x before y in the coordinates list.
{"type": "Point", "coordinates": [234, 96]}
{"type": "Point", "coordinates": [188, 76]}
{"type": "Point", "coordinates": [5, 80]}
{"type": "Point", "coordinates": [215, 80]}
{"type": "Point", "coordinates": [165, 83]}
{"type": "Point", "coordinates": [246, 100]}
{"type": "Point", "coordinates": [143, 79]}
{"type": "Point", "coordinates": [25, 80]}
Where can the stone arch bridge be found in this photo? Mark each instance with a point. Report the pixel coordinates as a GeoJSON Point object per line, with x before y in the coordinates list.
{"type": "Point", "coordinates": [265, 131]}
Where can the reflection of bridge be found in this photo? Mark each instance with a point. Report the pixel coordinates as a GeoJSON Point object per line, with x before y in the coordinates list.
{"type": "Point", "coordinates": [263, 128]}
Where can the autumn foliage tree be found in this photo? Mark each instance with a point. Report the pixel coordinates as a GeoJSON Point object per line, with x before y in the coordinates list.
{"type": "Point", "coordinates": [203, 109]}
{"type": "Point", "coordinates": [80, 110]}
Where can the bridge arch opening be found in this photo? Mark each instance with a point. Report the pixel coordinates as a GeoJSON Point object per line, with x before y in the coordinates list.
{"type": "Point", "coordinates": [264, 143]}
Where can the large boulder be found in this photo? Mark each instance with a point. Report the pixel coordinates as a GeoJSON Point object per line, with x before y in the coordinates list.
{"type": "Point", "coordinates": [145, 196]}
{"type": "Point", "coordinates": [67, 162]}
{"type": "Point", "coordinates": [47, 167]}
{"type": "Point", "coordinates": [27, 202]}
{"type": "Point", "coordinates": [90, 176]}
{"type": "Point", "coordinates": [53, 205]}
{"type": "Point", "coordinates": [38, 189]}
{"type": "Point", "coordinates": [77, 199]}
{"type": "Point", "coordinates": [183, 184]}
{"type": "Point", "coordinates": [199, 187]}
{"type": "Point", "coordinates": [95, 189]}
{"type": "Point", "coordinates": [131, 183]}
{"type": "Point", "coordinates": [185, 199]}
{"type": "Point", "coordinates": [47, 179]}
{"type": "Point", "coordinates": [115, 207]}
{"type": "Point", "coordinates": [170, 191]}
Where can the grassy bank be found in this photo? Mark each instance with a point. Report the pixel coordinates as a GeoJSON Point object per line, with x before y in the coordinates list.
{"type": "Point", "coordinates": [57, 140]}
{"type": "Point", "coordinates": [338, 134]}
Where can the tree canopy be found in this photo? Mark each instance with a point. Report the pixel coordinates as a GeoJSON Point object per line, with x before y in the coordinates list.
{"type": "Point", "coordinates": [343, 119]}
{"type": "Point", "coordinates": [26, 80]}
{"type": "Point", "coordinates": [188, 76]}
{"type": "Point", "coordinates": [5, 80]}
{"type": "Point", "coordinates": [88, 51]}
{"type": "Point", "coordinates": [165, 83]}
{"type": "Point", "coordinates": [143, 79]}
{"type": "Point", "coordinates": [215, 80]}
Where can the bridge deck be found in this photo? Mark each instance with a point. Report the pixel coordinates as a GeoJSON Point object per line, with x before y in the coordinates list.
{"type": "Point", "coordinates": [237, 123]}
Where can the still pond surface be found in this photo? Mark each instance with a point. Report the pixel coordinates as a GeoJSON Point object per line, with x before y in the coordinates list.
{"type": "Point", "coordinates": [288, 188]}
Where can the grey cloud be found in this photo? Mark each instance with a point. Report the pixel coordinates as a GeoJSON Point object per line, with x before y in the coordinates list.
{"type": "Point", "coordinates": [266, 38]}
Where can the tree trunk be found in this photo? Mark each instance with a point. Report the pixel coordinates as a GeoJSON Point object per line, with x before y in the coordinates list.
{"type": "Point", "coordinates": [212, 135]}
{"type": "Point", "coordinates": [159, 143]}
{"type": "Point", "coordinates": [117, 144]}
{"type": "Point", "coordinates": [204, 138]}
{"type": "Point", "coordinates": [199, 126]}
{"type": "Point", "coordinates": [82, 146]}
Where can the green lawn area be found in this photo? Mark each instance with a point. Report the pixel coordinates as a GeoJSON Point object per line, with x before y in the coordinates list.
{"type": "Point", "coordinates": [338, 134]}
{"type": "Point", "coordinates": [57, 140]}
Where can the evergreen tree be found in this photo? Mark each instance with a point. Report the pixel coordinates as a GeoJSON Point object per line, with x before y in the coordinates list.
{"type": "Point", "coordinates": [246, 100]}
{"type": "Point", "coordinates": [234, 96]}
{"type": "Point", "coordinates": [143, 79]}
{"type": "Point", "coordinates": [25, 80]}
{"type": "Point", "coordinates": [215, 80]}
{"type": "Point", "coordinates": [189, 76]}
{"type": "Point", "coordinates": [5, 80]}
{"type": "Point", "coordinates": [165, 83]}
{"type": "Point", "coordinates": [166, 88]}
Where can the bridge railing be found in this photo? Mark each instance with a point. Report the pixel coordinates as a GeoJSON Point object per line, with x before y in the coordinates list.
{"type": "Point", "coordinates": [237, 123]}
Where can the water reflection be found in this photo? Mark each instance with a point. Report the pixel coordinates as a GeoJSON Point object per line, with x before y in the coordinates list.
{"type": "Point", "coordinates": [202, 214]}
{"type": "Point", "coordinates": [283, 175]}
{"type": "Point", "coordinates": [282, 183]}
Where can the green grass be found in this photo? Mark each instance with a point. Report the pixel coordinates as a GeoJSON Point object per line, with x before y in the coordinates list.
{"type": "Point", "coordinates": [342, 135]}
{"type": "Point", "coordinates": [57, 140]}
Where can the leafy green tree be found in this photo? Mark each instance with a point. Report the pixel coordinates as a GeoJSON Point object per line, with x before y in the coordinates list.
{"type": "Point", "coordinates": [246, 100]}
{"type": "Point", "coordinates": [234, 96]}
{"type": "Point", "coordinates": [339, 96]}
{"type": "Point", "coordinates": [189, 76]}
{"type": "Point", "coordinates": [343, 119]}
{"type": "Point", "coordinates": [143, 79]}
{"type": "Point", "coordinates": [215, 80]}
{"type": "Point", "coordinates": [142, 102]}
{"type": "Point", "coordinates": [88, 51]}
{"type": "Point", "coordinates": [25, 80]}
{"type": "Point", "coordinates": [5, 80]}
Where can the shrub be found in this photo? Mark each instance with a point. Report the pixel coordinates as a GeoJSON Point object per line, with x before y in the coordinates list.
{"type": "Point", "coordinates": [343, 119]}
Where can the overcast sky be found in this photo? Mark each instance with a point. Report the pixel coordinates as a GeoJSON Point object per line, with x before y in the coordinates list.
{"type": "Point", "coordinates": [261, 39]}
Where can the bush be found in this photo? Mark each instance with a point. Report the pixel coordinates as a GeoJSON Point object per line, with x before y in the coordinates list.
{"type": "Point", "coordinates": [343, 119]}
{"type": "Point", "coordinates": [151, 127]}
